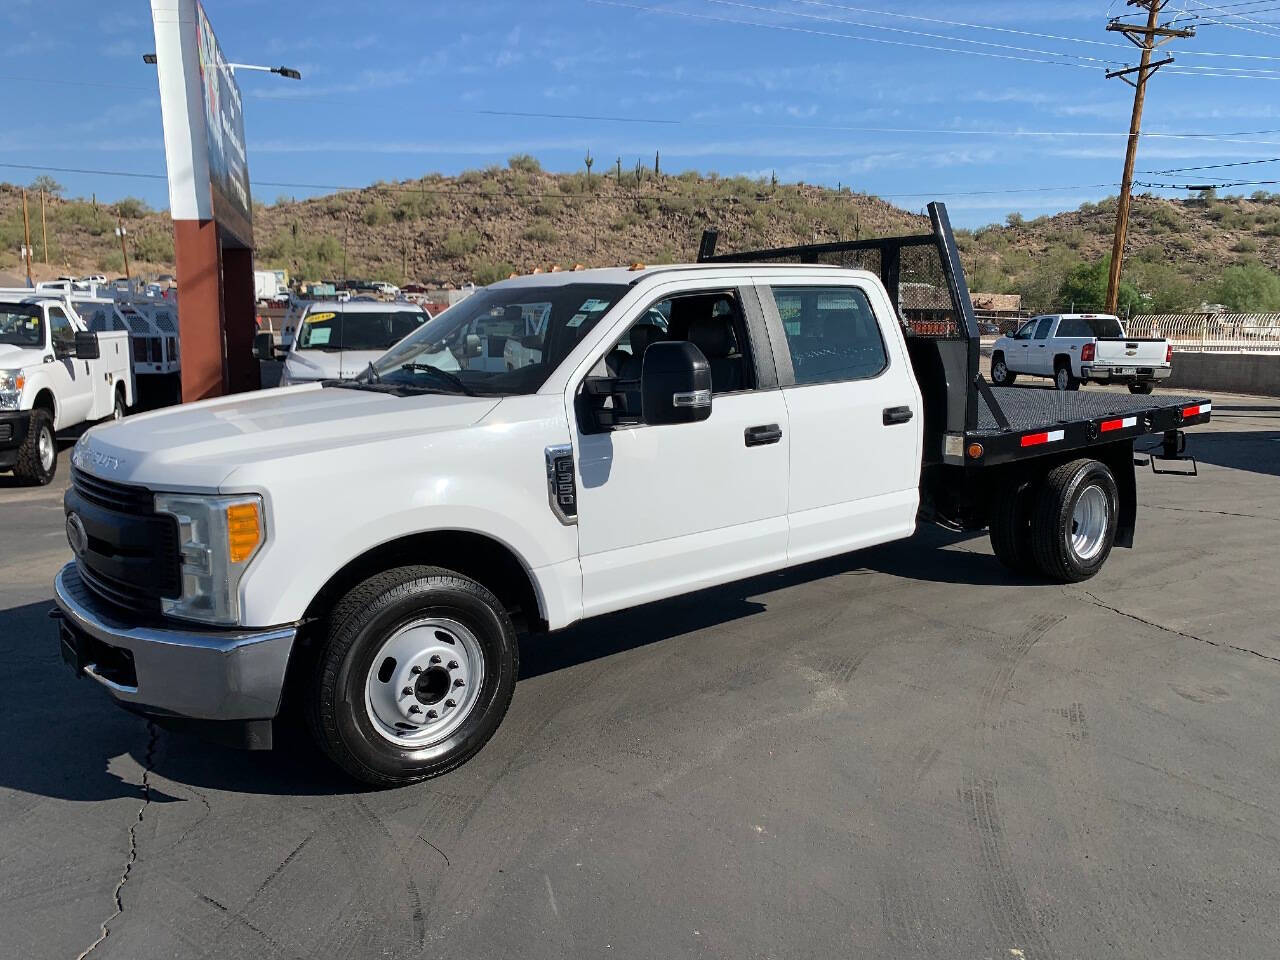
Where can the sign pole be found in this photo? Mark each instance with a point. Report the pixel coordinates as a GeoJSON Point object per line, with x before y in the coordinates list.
{"type": "Point", "coordinates": [26, 231]}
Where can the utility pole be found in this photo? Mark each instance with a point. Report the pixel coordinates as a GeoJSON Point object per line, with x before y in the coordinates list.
{"type": "Point", "coordinates": [121, 232]}
{"type": "Point", "coordinates": [1147, 39]}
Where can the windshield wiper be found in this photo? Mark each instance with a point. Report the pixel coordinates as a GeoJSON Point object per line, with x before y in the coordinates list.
{"type": "Point", "coordinates": [452, 379]}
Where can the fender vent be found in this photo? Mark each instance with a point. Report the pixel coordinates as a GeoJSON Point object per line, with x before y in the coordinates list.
{"type": "Point", "coordinates": [562, 490]}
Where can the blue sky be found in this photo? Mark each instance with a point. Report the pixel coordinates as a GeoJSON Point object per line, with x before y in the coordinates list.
{"type": "Point", "coordinates": [395, 90]}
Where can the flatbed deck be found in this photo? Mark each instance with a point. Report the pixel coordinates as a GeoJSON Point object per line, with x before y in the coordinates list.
{"type": "Point", "coordinates": [1014, 422]}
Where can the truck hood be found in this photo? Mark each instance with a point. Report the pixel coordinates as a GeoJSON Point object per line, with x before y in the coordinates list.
{"type": "Point", "coordinates": [196, 447]}
{"type": "Point", "coordinates": [15, 358]}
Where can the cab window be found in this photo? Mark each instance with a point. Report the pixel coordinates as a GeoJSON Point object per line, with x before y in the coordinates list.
{"type": "Point", "coordinates": [1027, 330]}
{"type": "Point", "coordinates": [1042, 331]}
{"type": "Point", "coordinates": [61, 331]}
{"type": "Point", "coordinates": [832, 334]}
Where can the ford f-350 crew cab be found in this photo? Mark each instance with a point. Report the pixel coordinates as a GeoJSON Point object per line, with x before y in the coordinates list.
{"type": "Point", "coordinates": [1077, 348]}
{"type": "Point", "coordinates": [55, 374]}
{"type": "Point", "coordinates": [374, 545]}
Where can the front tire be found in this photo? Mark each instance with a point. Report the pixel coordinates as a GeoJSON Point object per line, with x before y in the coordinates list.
{"type": "Point", "coordinates": [1001, 375]}
{"type": "Point", "coordinates": [38, 456]}
{"type": "Point", "coordinates": [1075, 520]}
{"type": "Point", "coordinates": [415, 672]}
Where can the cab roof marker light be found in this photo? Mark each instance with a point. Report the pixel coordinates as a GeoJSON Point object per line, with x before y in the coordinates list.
{"type": "Point", "coordinates": [1109, 425]}
{"type": "Point", "coordinates": [1036, 439]}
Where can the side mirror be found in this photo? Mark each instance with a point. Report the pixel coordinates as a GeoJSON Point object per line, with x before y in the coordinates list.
{"type": "Point", "coordinates": [87, 347]}
{"type": "Point", "coordinates": [675, 384]}
{"type": "Point", "coordinates": [473, 346]}
{"type": "Point", "coordinates": [264, 346]}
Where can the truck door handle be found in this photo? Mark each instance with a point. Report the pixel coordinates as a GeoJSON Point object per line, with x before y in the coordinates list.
{"type": "Point", "coordinates": [896, 415]}
{"type": "Point", "coordinates": [763, 435]}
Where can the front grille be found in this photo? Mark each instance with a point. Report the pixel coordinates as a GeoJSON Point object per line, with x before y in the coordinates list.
{"type": "Point", "coordinates": [131, 559]}
{"type": "Point", "coordinates": [120, 497]}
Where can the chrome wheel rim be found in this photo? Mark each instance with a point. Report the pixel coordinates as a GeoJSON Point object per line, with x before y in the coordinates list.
{"type": "Point", "coordinates": [1090, 521]}
{"type": "Point", "coordinates": [46, 449]}
{"type": "Point", "coordinates": [1062, 379]}
{"type": "Point", "coordinates": [424, 682]}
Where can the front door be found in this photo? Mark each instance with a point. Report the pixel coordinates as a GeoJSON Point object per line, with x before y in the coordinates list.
{"type": "Point", "coordinates": [73, 384]}
{"type": "Point", "coordinates": [1041, 359]}
{"type": "Point", "coordinates": [663, 510]}
{"type": "Point", "coordinates": [856, 417]}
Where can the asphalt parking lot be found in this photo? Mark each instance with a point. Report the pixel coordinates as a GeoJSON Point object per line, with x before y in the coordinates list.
{"type": "Point", "coordinates": [901, 753]}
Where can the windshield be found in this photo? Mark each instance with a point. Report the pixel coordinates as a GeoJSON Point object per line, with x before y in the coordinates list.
{"type": "Point", "coordinates": [337, 329]}
{"type": "Point", "coordinates": [1090, 327]}
{"type": "Point", "coordinates": [20, 325]}
{"type": "Point", "coordinates": [500, 341]}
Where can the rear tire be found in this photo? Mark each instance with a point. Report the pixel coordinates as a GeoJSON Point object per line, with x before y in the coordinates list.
{"type": "Point", "coordinates": [1011, 527]}
{"type": "Point", "coordinates": [1143, 388]}
{"type": "Point", "coordinates": [38, 456]}
{"type": "Point", "coordinates": [1063, 378]}
{"type": "Point", "coordinates": [118, 409]}
{"type": "Point", "coordinates": [1074, 525]}
{"type": "Point", "coordinates": [422, 630]}
{"type": "Point", "coordinates": [1001, 375]}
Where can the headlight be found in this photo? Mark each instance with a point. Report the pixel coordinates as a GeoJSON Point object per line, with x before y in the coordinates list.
{"type": "Point", "coordinates": [217, 539]}
{"type": "Point", "coordinates": [11, 384]}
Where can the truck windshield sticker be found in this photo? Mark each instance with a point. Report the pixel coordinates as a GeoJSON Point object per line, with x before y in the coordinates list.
{"type": "Point", "coordinates": [318, 318]}
{"type": "Point", "coordinates": [320, 336]}
{"type": "Point", "coordinates": [576, 320]}
{"type": "Point", "coordinates": [595, 306]}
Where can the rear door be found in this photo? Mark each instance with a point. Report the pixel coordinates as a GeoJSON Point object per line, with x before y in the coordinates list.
{"type": "Point", "coordinates": [855, 413]}
{"type": "Point", "coordinates": [1039, 352]}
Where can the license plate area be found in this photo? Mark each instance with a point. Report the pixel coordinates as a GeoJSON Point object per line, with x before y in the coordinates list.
{"type": "Point", "coordinates": [79, 650]}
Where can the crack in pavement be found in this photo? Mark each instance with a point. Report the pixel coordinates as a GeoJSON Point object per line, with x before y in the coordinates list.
{"type": "Point", "coordinates": [147, 766]}
{"type": "Point", "coordinates": [1216, 513]}
{"type": "Point", "coordinates": [1099, 602]}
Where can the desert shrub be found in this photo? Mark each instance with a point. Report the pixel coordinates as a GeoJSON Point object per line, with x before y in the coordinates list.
{"type": "Point", "coordinates": [1245, 245]}
{"type": "Point", "coordinates": [484, 272]}
{"type": "Point", "coordinates": [154, 245]}
{"type": "Point", "coordinates": [524, 163]}
{"type": "Point", "coordinates": [376, 214]}
{"type": "Point", "coordinates": [458, 244]}
{"type": "Point", "coordinates": [540, 232]}
{"type": "Point", "coordinates": [131, 208]}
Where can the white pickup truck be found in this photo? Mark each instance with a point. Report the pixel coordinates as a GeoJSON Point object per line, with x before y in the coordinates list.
{"type": "Point", "coordinates": [1076, 348]}
{"type": "Point", "coordinates": [54, 374]}
{"type": "Point", "coordinates": [374, 546]}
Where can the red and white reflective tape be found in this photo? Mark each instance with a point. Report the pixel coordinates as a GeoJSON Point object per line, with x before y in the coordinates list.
{"type": "Point", "coordinates": [1197, 411]}
{"type": "Point", "coordinates": [1109, 425]}
{"type": "Point", "coordinates": [1035, 439]}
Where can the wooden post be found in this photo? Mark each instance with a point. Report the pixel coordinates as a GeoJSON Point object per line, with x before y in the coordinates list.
{"type": "Point", "coordinates": [44, 228]}
{"type": "Point", "coordinates": [26, 230]}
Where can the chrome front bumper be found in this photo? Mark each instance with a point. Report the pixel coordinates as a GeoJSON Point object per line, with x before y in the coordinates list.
{"type": "Point", "coordinates": [176, 672]}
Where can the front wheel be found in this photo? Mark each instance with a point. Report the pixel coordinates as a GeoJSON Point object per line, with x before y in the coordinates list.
{"type": "Point", "coordinates": [1075, 519]}
{"type": "Point", "coordinates": [38, 456]}
{"type": "Point", "coordinates": [1001, 375]}
{"type": "Point", "coordinates": [1143, 388]}
{"type": "Point", "coordinates": [416, 670]}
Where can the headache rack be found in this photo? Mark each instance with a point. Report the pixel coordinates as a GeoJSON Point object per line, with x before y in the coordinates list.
{"type": "Point", "coordinates": [967, 422]}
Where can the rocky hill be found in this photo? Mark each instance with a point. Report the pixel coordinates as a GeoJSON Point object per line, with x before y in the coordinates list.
{"type": "Point", "coordinates": [484, 224]}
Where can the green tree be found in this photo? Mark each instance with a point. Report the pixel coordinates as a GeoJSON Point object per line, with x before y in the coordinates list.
{"type": "Point", "coordinates": [1085, 288]}
{"type": "Point", "coordinates": [1250, 288]}
{"type": "Point", "coordinates": [46, 183]}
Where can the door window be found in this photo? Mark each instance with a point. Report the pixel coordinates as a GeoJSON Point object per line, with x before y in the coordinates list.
{"type": "Point", "coordinates": [1042, 331]}
{"type": "Point", "coordinates": [1027, 330]}
{"type": "Point", "coordinates": [832, 334]}
{"type": "Point", "coordinates": [61, 331]}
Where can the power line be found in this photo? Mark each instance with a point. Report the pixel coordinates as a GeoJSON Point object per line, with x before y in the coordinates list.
{"type": "Point", "coordinates": [1022, 33]}
{"type": "Point", "coordinates": [1208, 166]}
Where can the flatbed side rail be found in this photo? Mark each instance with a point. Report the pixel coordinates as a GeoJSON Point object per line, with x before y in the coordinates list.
{"type": "Point", "coordinates": [925, 280]}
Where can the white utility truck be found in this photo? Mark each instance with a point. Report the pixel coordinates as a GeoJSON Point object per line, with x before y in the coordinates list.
{"type": "Point", "coordinates": [337, 340]}
{"type": "Point", "coordinates": [374, 545]}
{"type": "Point", "coordinates": [55, 374]}
{"type": "Point", "coordinates": [1076, 348]}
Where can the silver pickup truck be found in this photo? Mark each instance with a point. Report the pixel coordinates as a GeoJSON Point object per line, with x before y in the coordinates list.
{"type": "Point", "coordinates": [1075, 348]}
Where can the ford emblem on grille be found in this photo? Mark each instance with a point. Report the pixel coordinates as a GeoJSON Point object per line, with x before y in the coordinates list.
{"type": "Point", "coordinates": [76, 534]}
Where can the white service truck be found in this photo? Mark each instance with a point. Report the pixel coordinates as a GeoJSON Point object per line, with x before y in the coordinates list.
{"type": "Point", "coordinates": [1077, 348]}
{"type": "Point", "coordinates": [55, 374]}
{"type": "Point", "coordinates": [375, 545]}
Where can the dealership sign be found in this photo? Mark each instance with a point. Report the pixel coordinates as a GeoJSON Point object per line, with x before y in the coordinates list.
{"type": "Point", "coordinates": [224, 133]}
